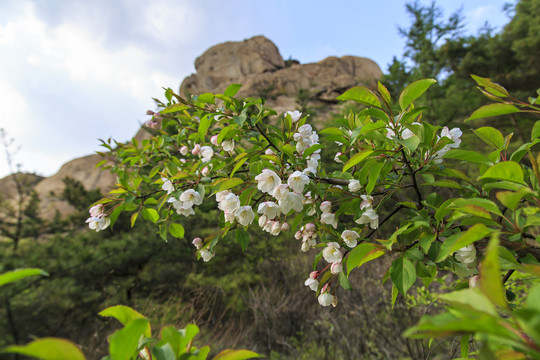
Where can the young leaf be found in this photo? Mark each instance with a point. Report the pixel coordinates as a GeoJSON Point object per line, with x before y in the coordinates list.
{"type": "Point", "coordinates": [357, 158]}
{"type": "Point", "coordinates": [124, 314]}
{"type": "Point", "coordinates": [492, 110]}
{"type": "Point", "coordinates": [176, 230]}
{"type": "Point", "coordinates": [361, 95]}
{"type": "Point", "coordinates": [232, 90]}
{"type": "Point", "coordinates": [490, 275]}
{"type": "Point", "coordinates": [413, 91]}
{"type": "Point", "coordinates": [229, 354]}
{"type": "Point", "coordinates": [506, 170]}
{"type": "Point", "coordinates": [403, 274]}
{"type": "Point", "coordinates": [491, 136]}
{"type": "Point", "coordinates": [124, 343]}
{"type": "Point", "coordinates": [150, 214]}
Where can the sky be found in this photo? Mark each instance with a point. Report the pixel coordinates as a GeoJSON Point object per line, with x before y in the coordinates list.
{"type": "Point", "coordinates": [73, 72]}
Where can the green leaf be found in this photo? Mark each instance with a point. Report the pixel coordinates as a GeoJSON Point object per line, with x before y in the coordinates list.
{"type": "Point", "coordinates": [492, 110]}
{"type": "Point", "coordinates": [403, 274]}
{"type": "Point", "coordinates": [490, 275]}
{"type": "Point", "coordinates": [312, 149]}
{"type": "Point", "coordinates": [413, 91]}
{"type": "Point", "coordinates": [163, 352]}
{"type": "Point", "coordinates": [173, 337]}
{"type": "Point", "coordinates": [124, 343]}
{"type": "Point", "coordinates": [361, 254]}
{"type": "Point", "coordinates": [470, 299]}
{"type": "Point", "coordinates": [506, 170]}
{"type": "Point", "coordinates": [173, 108]}
{"type": "Point", "coordinates": [48, 349]}
{"type": "Point", "coordinates": [124, 314]}
{"type": "Point", "coordinates": [19, 274]}
{"type": "Point", "coordinates": [373, 174]}
{"type": "Point", "coordinates": [486, 204]}
{"type": "Point", "coordinates": [475, 233]}
{"type": "Point", "coordinates": [229, 184]}
{"type": "Point", "coordinates": [238, 165]}
{"type": "Point", "coordinates": [511, 199]}
{"type": "Point", "coordinates": [242, 238]}
{"type": "Point", "coordinates": [535, 133]}
{"type": "Point", "coordinates": [150, 214]}
{"type": "Point", "coordinates": [232, 90]}
{"type": "Point", "coordinates": [468, 156]}
{"type": "Point", "coordinates": [176, 230]}
{"type": "Point", "coordinates": [361, 95]}
{"type": "Point", "coordinates": [384, 93]}
{"type": "Point", "coordinates": [491, 136]}
{"type": "Point", "coordinates": [207, 98]}
{"type": "Point", "coordinates": [203, 126]}
{"type": "Point", "coordinates": [490, 86]}
{"type": "Point", "coordinates": [229, 354]}
{"type": "Point", "coordinates": [344, 282]}
{"type": "Point", "coordinates": [357, 158]}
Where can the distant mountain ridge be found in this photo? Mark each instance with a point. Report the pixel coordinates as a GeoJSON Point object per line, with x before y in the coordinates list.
{"type": "Point", "coordinates": [256, 64]}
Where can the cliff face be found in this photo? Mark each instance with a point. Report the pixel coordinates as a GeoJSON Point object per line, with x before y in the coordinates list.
{"type": "Point", "coordinates": [256, 64]}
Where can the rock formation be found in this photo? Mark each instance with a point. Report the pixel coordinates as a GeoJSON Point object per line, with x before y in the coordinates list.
{"type": "Point", "coordinates": [256, 64]}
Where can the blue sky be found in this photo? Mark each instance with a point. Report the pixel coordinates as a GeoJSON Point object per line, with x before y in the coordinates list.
{"type": "Point", "coordinates": [74, 71]}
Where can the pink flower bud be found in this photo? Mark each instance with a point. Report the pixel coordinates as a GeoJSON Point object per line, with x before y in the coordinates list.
{"type": "Point", "coordinates": [336, 268]}
{"type": "Point", "coordinates": [269, 152]}
{"type": "Point", "coordinates": [149, 112]}
{"type": "Point", "coordinates": [196, 149]}
{"type": "Point", "coordinates": [213, 140]}
{"type": "Point", "coordinates": [473, 281]}
{"type": "Point", "coordinates": [324, 288]}
{"type": "Point", "coordinates": [96, 210]}
{"type": "Point", "coordinates": [298, 235]}
{"type": "Point", "coordinates": [285, 226]}
{"type": "Point", "coordinates": [311, 227]}
{"type": "Point", "coordinates": [198, 243]}
{"type": "Point", "coordinates": [326, 207]}
{"type": "Point", "coordinates": [205, 171]}
{"type": "Point", "coordinates": [184, 150]}
{"type": "Point", "coordinates": [314, 274]}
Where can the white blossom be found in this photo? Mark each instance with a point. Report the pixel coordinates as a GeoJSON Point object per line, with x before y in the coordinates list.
{"type": "Point", "coordinates": [454, 135]}
{"type": "Point", "coordinates": [245, 215]}
{"type": "Point", "coordinates": [214, 140]}
{"type": "Point", "coordinates": [167, 185]}
{"type": "Point", "coordinates": [184, 150]}
{"type": "Point", "coordinates": [220, 196]}
{"type": "Point", "coordinates": [354, 185]}
{"type": "Point", "coordinates": [196, 149]}
{"type": "Point", "coordinates": [326, 299]}
{"type": "Point", "coordinates": [331, 253]}
{"type": "Point", "coordinates": [206, 153]}
{"type": "Point", "coordinates": [297, 181]}
{"type": "Point", "coordinates": [295, 115]}
{"type": "Point", "coordinates": [326, 207]}
{"type": "Point", "coordinates": [466, 255]}
{"type": "Point", "coordinates": [96, 210]}
{"type": "Point", "coordinates": [291, 201]}
{"type": "Point", "coordinates": [98, 223]}
{"type": "Point", "coordinates": [228, 145]}
{"type": "Point", "coordinates": [198, 243]}
{"type": "Point", "coordinates": [329, 219]}
{"type": "Point", "coordinates": [230, 203]}
{"type": "Point", "coordinates": [336, 268]}
{"type": "Point", "coordinates": [229, 216]}
{"type": "Point", "coordinates": [367, 202]}
{"type": "Point", "coordinates": [270, 209]}
{"type": "Point", "coordinates": [285, 226]}
{"type": "Point", "coordinates": [369, 216]}
{"type": "Point", "coordinates": [263, 220]}
{"type": "Point", "coordinates": [312, 281]}
{"type": "Point", "coordinates": [281, 191]}
{"type": "Point", "coordinates": [337, 159]}
{"type": "Point", "coordinates": [267, 181]}
{"type": "Point", "coordinates": [275, 228]}
{"type": "Point", "coordinates": [191, 197]}
{"type": "Point", "coordinates": [206, 254]}
{"type": "Point", "coordinates": [305, 131]}
{"type": "Point", "coordinates": [350, 237]}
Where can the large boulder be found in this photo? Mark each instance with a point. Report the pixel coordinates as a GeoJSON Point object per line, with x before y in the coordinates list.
{"type": "Point", "coordinates": [257, 65]}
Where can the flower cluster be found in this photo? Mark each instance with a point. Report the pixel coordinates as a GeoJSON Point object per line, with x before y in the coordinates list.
{"type": "Point", "coordinates": [185, 202]}
{"type": "Point", "coordinates": [229, 203]}
{"type": "Point", "coordinates": [98, 220]}
{"type": "Point", "coordinates": [308, 235]}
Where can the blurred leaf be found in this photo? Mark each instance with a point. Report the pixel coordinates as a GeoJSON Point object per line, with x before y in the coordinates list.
{"type": "Point", "coordinates": [242, 238]}
{"type": "Point", "coordinates": [490, 274]}
{"type": "Point", "coordinates": [124, 314]}
{"type": "Point", "coordinates": [232, 90]}
{"type": "Point", "coordinates": [48, 349]}
{"type": "Point", "coordinates": [124, 343]}
{"type": "Point", "coordinates": [229, 354]}
{"type": "Point", "coordinates": [511, 199]}
{"type": "Point", "coordinates": [19, 274]}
